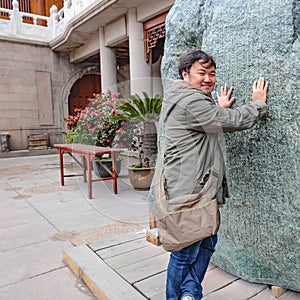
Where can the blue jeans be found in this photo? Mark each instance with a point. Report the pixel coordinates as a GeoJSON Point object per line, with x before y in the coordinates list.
{"type": "Point", "coordinates": [187, 268]}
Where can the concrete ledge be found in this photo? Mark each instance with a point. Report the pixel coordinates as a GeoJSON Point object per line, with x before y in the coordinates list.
{"type": "Point", "coordinates": [98, 276]}
{"type": "Point", "coordinates": [24, 153]}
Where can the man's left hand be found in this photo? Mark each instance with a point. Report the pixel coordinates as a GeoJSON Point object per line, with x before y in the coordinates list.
{"type": "Point", "coordinates": [224, 98]}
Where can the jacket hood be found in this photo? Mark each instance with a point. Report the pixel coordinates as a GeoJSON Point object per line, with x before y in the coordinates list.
{"type": "Point", "coordinates": [184, 86]}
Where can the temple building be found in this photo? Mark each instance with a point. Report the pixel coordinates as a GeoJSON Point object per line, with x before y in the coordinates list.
{"type": "Point", "coordinates": [55, 54]}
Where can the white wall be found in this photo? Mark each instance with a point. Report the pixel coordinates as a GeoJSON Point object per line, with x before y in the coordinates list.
{"type": "Point", "coordinates": [88, 49]}
{"type": "Point", "coordinates": [152, 8]}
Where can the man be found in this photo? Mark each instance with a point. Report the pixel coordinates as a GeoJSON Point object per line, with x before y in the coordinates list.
{"type": "Point", "coordinates": [191, 126]}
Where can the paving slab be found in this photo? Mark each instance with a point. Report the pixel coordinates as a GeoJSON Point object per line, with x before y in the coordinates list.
{"type": "Point", "coordinates": [128, 258]}
{"type": "Point", "coordinates": [25, 234]}
{"type": "Point", "coordinates": [237, 290]}
{"type": "Point", "coordinates": [267, 295]}
{"type": "Point", "coordinates": [116, 240]}
{"type": "Point", "coordinates": [27, 190]}
{"type": "Point", "coordinates": [57, 204]}
{"type": "Point", "coordinates": [28, 261]}
{"type": "Point", "coordinates": [90, 235]}
{"type": "Point", "coordinates": [134, 214]}
{"type": "Point", "coordinates": [122, 248]}
{"type": "Point", "coordinates": [70, 221]}
{"type": "Point", "coordinates": [264, 295]}
{"type": "Point", "coordinates": [14, 213]}
{"type": "Point", "coordinates": [153, 287]}
{"type": "Point", "coordinates": [145, 268]}
{"type": "Point", "coordinates": [8, 194]}
{"type": "Point", "coordinates": [215, 279]}
{"type": "Point", "coordinates": [57, 284]}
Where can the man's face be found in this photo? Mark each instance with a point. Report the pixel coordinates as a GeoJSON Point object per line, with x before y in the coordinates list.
{"type": "Point", "coordinates": [201, 76]}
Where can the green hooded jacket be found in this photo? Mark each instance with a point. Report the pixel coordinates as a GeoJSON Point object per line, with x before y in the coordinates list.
{"type": "Point", "coordinates": [192, 125]}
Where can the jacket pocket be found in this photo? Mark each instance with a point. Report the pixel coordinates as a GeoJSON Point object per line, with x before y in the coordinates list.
{"type": "Point", "coordinates": [202, 181]}
{"type": "Point", "coordinates": [194, 201]}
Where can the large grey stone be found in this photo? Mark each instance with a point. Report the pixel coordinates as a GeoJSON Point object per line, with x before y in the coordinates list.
{"type": "Point", "coordinates": [259, 235]}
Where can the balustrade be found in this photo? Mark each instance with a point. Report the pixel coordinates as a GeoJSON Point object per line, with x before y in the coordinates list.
{"type": "Point", "coordinates": [20, 22]}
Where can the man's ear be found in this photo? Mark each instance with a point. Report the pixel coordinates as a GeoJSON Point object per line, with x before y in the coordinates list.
{"type": "Point", "coordinates": [184, 74]}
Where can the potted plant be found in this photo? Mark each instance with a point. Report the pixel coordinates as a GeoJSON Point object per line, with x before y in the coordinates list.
{"type": "Point", "coordinates": [144, 111]}
{"type": "Point", "coordinates": [93, 126]}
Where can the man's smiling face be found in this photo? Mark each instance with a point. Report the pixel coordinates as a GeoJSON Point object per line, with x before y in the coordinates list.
{"type": "Point", "coordinates": [202, 76]}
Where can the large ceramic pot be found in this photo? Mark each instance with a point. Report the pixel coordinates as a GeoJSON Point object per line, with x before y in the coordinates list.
{"type": "Point", "coordinates": [140, 178]}
{"type": "Point", "coordinates": [101, 172]}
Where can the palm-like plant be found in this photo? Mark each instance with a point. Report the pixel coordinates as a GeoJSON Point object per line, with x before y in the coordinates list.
{"type": "Point", "coordinates": [145, 110]}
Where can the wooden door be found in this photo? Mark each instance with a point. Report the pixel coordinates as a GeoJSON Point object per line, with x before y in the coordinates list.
{"type": "Point", "coordinates": [49, 3]}
{"type": "Point", "coordinates": [82, 90]}
{"type": "Point", "coordinates": [38, 7]}
{"type": "Point", "coordinates": [24, 6]}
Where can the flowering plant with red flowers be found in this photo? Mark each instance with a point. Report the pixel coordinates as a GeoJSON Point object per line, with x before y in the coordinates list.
{"type": "Point", "coordinates": [93, 125]}
{"type": "Point", "coordinates": [72, 120]}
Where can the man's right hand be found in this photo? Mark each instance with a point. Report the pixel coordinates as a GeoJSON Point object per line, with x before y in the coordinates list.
{"type": "Point", "coordinates": [260, 89]}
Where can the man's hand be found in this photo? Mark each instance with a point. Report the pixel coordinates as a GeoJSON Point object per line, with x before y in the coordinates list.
{"type": "Point", "coordinates": [224, 99]}
{"type": "Point", "coordinates": [260, 90]}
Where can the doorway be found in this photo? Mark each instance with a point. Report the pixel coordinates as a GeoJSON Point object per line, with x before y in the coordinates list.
{"type": "Point", "coordinates": [82, 90]}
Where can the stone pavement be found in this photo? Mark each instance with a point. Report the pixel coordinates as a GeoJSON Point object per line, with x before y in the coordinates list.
{"type": "Point", "coordinates": [40, 221]}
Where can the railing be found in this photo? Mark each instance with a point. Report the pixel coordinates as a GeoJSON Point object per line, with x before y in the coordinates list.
{"type": "Point", "coordinates": [42, 28]}
{"type": "Point", "coordinates": [25, 5]}
{"type": "Point", "coordinates": [17, 28]}
{"type": "Point", "coordinates": [5, 4]}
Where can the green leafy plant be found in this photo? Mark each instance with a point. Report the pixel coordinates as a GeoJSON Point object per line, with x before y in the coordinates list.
{"type": "Point", "coordinates": [135, 107]}
{"type": "Point", "coordinates": [144, 111]}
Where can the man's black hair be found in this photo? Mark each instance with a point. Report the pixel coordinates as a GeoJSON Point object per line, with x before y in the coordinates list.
{"type": "Point", "coordinates": [189, 59]}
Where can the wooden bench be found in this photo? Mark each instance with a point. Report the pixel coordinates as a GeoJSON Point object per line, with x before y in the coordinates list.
{"type": "Point", "coordinates": [88, 153]}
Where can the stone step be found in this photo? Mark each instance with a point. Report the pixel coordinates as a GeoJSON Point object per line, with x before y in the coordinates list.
{"type": "Point", "coordinates": [98, 276]}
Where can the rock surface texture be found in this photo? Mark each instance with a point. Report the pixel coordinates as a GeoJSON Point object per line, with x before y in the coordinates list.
{"type": "Point", "coordinates": [259, 239]}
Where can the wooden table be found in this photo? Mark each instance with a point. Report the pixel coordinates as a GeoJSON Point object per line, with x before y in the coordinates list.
{"type": "Point", "coordinates": [88, 153]}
